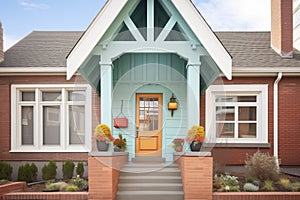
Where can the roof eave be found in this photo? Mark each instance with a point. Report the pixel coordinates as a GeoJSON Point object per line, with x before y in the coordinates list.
{"type": "Point", "coordinates": [207, 37]}
{"type": "Point", "coordinates": [94, 32]}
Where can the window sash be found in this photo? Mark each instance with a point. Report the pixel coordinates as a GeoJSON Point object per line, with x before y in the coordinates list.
{"type": "Point", "coordinates": [38, 106]}
{"type": "Point", "coordinates": [261, 104]}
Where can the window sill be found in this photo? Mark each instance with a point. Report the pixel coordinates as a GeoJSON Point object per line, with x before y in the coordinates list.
{"type": "Point", "coordinates": [237, 145]}
{"type": "Point", "coordinates": [49, 151]}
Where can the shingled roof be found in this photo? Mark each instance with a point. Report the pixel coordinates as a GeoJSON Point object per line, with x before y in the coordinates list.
{"type": "Point", "coordinates": [41, 49]}
{"type": "Point", "coordinates": [50, 49]}
{"type": "Point", "coordinates": [252, 49]}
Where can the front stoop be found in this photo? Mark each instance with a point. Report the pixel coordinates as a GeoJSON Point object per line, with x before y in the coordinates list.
{"type": "Point", "coordinates": [150, 181]}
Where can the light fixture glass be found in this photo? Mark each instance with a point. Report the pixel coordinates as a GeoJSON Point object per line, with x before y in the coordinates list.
{"type": "Point", "coordinates": [172, 105]}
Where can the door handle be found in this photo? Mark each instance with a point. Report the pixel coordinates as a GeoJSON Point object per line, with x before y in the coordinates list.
{"type": "Point", "coordinates": [136, 131]}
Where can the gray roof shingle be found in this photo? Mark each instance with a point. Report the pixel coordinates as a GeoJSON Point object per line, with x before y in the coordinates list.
{"type": "Point", "coordinates": [252, 49]}
{"type": "Point", "coordinates": [41, 49]}
{"type": "Point", "coordinates": [50, 49]}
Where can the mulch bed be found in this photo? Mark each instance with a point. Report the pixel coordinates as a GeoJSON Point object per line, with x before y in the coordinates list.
{"type": "Point", "coordinates": [277, 186]}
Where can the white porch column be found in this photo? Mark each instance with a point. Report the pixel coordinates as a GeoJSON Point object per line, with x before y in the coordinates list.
{"type": "Point", "coordinates": [193, 94]}
{"type": "Point", "coordinates": [106, 93]}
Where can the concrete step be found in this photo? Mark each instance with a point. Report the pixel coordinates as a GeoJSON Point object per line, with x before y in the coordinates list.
{"type": "Point", "coordinates": [150, 187]}
{"type": "Point", "coordinates": [149, 159]}
{"type": "Point", "coordinates": [150, 195]}
{"type": "Point", "coordinates": [150, 172]}
{"type": "Point", "coordinates": [150, 179]}
{"type": "Point", "coordinates": [150, 165]}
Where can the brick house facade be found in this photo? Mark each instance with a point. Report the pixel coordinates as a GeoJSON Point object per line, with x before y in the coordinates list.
{"type": "Point", "coordinates": [261, 62]}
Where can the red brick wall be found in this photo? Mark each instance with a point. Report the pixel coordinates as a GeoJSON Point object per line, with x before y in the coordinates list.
{"type": "Point", "coordinates": [282, 25]}
{"type": "Point", "coordinates": [256, 195]}
{"type": "Point", "coordinates": [289, 122]}
{"type": "Point", "coordinates": [5, 84]}
{"type": "Point", "coordinates": [196, 174]}
{"type": "Point", "coordinates": [11, 187]}
{"type": "Point", "coordinates": [104, 175]}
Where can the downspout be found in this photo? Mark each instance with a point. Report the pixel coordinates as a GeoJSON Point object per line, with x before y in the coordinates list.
{"type": "Point", "coordinates": [275, 117]}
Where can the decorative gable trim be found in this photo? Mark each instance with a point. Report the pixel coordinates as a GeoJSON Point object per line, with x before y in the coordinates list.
{"type": "Point", "coordinates": [92, 35]}
{"type": "Point", "coordinates": [186, 9]}
{"type": "Point", "coordinates": [207, 37]}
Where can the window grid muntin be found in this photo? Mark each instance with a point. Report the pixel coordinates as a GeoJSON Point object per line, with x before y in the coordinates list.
{"type": "Point", "coordinates": [236, 105]}
{"type": "Point", "coordinates": [38, 112]}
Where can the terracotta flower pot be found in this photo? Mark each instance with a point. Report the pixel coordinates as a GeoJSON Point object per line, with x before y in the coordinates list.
{"type": "Point", "coordinates": [179, 148]}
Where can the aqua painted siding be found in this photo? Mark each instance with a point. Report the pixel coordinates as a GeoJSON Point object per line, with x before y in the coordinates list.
{"type": "Point", "coordinates": [151, 73]}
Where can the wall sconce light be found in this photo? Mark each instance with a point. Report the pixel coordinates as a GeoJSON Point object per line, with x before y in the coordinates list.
{"type": "Point", "coordinates": [172, 105]}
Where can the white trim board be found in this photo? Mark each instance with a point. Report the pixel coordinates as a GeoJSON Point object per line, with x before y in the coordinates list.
{"type": "Point", "coordinates": [185, 7]}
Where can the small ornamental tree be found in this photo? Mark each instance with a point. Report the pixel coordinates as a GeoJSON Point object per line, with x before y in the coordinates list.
{"type": "Point", "coordinates": [68, 169]}
{"type": "Point", "coordinates": [27, 172]}
{"type": "Point", "coordinates": [5, 171]}
{"type": "Point", "coordinates": [49, 171]}
{"type": "Point", "coordinates": [80, 169]}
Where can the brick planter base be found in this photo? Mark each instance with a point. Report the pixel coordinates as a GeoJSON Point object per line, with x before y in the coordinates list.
{"type": "Point", "coordinates": [256, 195]}
{"type": "Point", "coordinates": [11, 187]}
{"type": "Point", "coordinates": [47, 196]}
{"type": "Point", "coordinates": [196, 172]}
{"type": "Point", "coordinates": [104, 171]}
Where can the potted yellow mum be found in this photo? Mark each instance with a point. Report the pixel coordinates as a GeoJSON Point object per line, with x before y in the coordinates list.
{"type": "Point", "coordinates": [195, 137]}
{"type": "Point", "coordinates": [103, 137]}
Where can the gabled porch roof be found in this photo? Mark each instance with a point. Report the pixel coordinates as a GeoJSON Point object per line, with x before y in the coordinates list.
{"type": "Point", "coordinates": [186, 9]}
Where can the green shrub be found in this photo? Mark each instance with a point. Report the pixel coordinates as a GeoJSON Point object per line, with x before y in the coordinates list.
{"type": "Point", "coordinates": [80, 169]}
{"type": "Point", "coordinates": [56, 186]}
{"type": "Point", "coordinates": [269, 186]}
{"type": "Point", "coordinates": [5, 170]}
{"type": "Point", "coordinates": [27, 172]}
{"type": "Point", "coordinates": [72, 188]}
{"type": "Point", "coordinates": [79, 182]}
{"type": "Point", "coordinates": [228, 183]}
{"type": "Point", "coordinates": [262, 166]}
{"type": "Point", "coordinates": [3, 181]}
{"type": "Point", "coordinates": [249, 187]}
{"type": "Point", "coordinates": [49, 171]}
{"type": "Point", "coordinates": [294, 187]}
{"type": "Point", "coordinates": [284, 182]}
{"type": "Point", "coordinates": [68, 169]}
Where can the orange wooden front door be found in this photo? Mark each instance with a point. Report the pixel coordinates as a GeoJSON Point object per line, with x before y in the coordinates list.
{"type": "Point", "coordinates": [148, 141]}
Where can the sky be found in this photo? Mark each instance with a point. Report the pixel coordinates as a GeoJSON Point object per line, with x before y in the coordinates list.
{"type": "Point", "coordinates": [21, 17]}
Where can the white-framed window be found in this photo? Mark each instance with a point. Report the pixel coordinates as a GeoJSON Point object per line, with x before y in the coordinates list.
{"type": "Point", "coordinates": [237, 114]}
{"type": "Point", "coordinates": [51, 118]}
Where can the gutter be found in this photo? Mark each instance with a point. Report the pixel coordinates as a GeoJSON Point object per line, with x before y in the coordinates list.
{"type": "Point", "coordinates": [275, 116]}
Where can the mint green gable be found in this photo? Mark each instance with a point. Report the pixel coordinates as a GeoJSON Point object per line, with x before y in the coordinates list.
{"type": "Point", "coordinates": [150, 48]}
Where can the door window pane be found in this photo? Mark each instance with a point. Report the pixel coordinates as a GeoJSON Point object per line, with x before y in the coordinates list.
{"type": "Point", "coordinates": [148, 114]}
{"type": "Point", "coordinates": [51, 96]}
{"type": "Point", "coordinates": [28, 96]}
{"type": "Point", "coordinates": [51, 125]}
{"type": "Point", "coordinates": [27, 125]}
{"type": "Point", "coordinates": [76, 124]}
{"type": "Point", "coordinates": [76, 95]}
